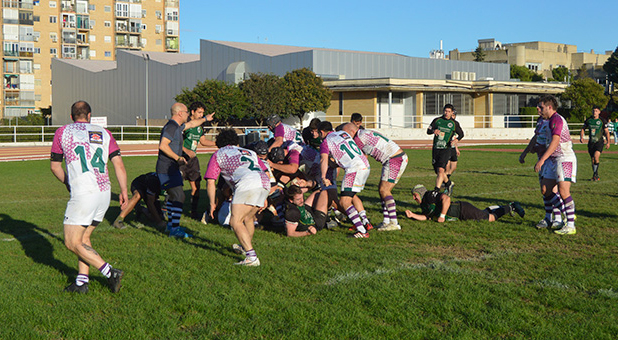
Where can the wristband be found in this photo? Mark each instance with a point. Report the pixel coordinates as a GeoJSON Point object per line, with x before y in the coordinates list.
{"type": "Point", "coordinates": [442, 216]}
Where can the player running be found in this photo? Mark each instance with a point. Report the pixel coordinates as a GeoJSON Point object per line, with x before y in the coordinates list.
{"type": "Point", "coordinates": [598, 135]}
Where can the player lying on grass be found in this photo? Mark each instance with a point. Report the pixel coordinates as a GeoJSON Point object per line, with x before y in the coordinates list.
{"type": "Point", "coordinates": [437, 205]}
{"type": "Point", "coordinates": [148, 188]}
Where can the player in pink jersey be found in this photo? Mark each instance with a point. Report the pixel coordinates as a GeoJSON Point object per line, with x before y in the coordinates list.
{"type": "Point", "coordinates": [560, 163]}
{"type": "Point", "coordinates": [394, 162]}
{"type": "Point", "coordinates": [246, 174]}
{"type": "Point", "coordinates": [348, 156]}
{"type": "Point", "coordinates": [87, 149]}
{"type": "Point", "coordinates": [282, 132]}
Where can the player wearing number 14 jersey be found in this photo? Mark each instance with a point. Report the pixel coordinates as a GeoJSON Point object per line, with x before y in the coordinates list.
{"type": "Point", "coordinates": [245, 173]}
{"type": "Point", "coordinates": [87, 149]}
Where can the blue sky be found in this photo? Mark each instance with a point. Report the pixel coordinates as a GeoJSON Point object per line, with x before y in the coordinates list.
{"type": "Point", "coordinates": [412, 28]}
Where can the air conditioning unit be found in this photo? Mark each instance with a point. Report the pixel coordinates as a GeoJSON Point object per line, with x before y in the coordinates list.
{"type": "Point", "coordinates": [471, 75]}
{"type": "Point", "coordinates": [456, 75]}
{"type": "Point", "coordinates": [464, 75]}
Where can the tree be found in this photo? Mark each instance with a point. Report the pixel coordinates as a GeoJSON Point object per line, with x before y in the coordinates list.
{"type": "Point", "coordinates": [305, 93]}
{"type": "Point", "coordinates": [524, 74]}
{"type": "Point", "coordinates": [582, 73]}
{"type": "Point", "coordinates": [561, 74]}
{"type": "Point", "coordinates": [228, 101]}
{"type": "Point", "coordinates": [265, 94]}
{"type": "Point", "coordinates": [584, 94]}
{"type": "Point", "coordinates": [479, 54]}
{"type": "Point", "coordinates": [611, 67]}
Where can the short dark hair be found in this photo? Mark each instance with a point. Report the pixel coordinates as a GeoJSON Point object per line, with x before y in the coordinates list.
{"type": "Point", "coordinates": [226, 137]}
{"type": "Point", "coordinates": [314, 123]}
{"type": "Point", "coordinates": [80, 109]}
{"type": "Point", "coordinates": [325, 126]}
{"type": "Point", "coordinates": [292, 191]}
{"type": "Point", "coordinates": [549, 99]}
{"type": "Point", "coordinates": [196, 105]}
{"type": "Point", "coordinates": [356, 117]}
{"type": "Point", "coordinates": [448, 106]}
{"type": "Point", "coordinates": [596, 107]}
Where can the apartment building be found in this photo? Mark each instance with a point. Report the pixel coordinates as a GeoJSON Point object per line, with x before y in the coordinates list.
{"type": "Point", "coordinates": [35, 32]}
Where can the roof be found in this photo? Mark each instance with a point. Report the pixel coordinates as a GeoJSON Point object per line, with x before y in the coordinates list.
{"type": "Point", "coordinates": [90, 65]}
{"type": "Point", "coordinates": [165, 57]}
{"type": "Point", "coordinates": [275, 50]}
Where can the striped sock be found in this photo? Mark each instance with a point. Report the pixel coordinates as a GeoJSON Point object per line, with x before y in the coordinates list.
{"type": "Point", "coordinates": [251, 254]}
{"type": "Point", "coordinates": [556, 201]}
{"type": "Point", "coordinates": [353, 215]}
{"type": "Point", "coordinates": [363, 216]}
{"type": "Point", "coordinates": [557, 215]}
{"type": "Point", "coordinates": [106, 270]}
{"type": "Point", "coordinates": [385, 214]}
{"type": "Point", "coordinates": [81, 280]}
{"type": "Point", "coordinates": [570, 211]}
{"type": "Point", "coordinates": [548, 208]}
{"type": "Point", "coordinates": [174, 211]}
{"type": "Point", "coordinates": [392, 208]}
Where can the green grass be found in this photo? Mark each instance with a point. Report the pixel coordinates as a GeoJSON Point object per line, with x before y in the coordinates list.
{"type": "Point", "coordinates": [460, 280]}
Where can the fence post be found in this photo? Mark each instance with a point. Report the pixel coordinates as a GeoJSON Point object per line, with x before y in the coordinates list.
{"type": "Point", "coordinates": [14, 134]}
{"type": "Point", "coordinates": [42, 133]}
{"type": "Point", "coordinates": [122, 133]}
{"type": "Point", "coordinates": [147, 132]}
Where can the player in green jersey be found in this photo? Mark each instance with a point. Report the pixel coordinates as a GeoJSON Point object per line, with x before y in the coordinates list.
{"type": "Point", "coordinates": [597, 130]}
{"type": "Point", "coordinates": [443, 128]}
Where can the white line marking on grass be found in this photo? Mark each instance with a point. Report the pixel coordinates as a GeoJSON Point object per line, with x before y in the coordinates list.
{"type": "Point", "coordinates": [26, 237]}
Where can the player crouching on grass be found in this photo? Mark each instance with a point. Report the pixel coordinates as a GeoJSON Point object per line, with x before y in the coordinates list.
{"type": "Point", "coordinates": [437, 205]}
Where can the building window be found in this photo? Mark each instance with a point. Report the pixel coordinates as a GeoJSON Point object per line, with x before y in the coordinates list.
{"type": "Point", "coordinates": [53, 51]}
{"type": "Point", "coordinates": [93, 54]}
{"type": "Point", "coordinates": [107, 39]}
{"type": "Point", "coordinates": [435, 101]}
{"type": "Point", "coordinates": [108, 53]}
{"type": "Point", "coordinates": [158, 15]}
{"type": "Point", "coordinates": [36, 66]}
{"type": "Point", "coordinates": [52, 4]}
{"type": "Point", "coordinates": [157, 29]}
{"type": "Point", "coordinates": [122, 10]}
{"type": "Point", "coordinates": [143, 27]}
{"type": "Point", "coordinates": [107, 9]}
{"type": "Point", "coordinates": [93, 38]}
{"type": "Point", "coordinates": [107, 23]}
{"type": "Point", "coordinates": [143, 42]}
{"type": "Point", "coordinates": [53, 19]}
{"type": "Point", "coordinates": [158, 42]}
{"type": "Point", "coordinates": [143, 13]}
{"type": "Point", "coordinates": [53, 36]}
{"type": "Point", "coordinates": [91, 7]}
{"type": "Point", "coordinates": [37, 50]}
{"type": "Point", "coordinates": [36, 18]}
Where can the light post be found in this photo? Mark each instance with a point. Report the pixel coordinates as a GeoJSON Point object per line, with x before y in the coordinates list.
{"type": "Point", "coordinates": [146, 57]}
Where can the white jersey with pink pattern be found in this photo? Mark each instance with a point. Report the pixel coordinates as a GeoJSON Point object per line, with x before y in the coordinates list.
{"type": "Point", "coordinates": [344, 150]}
{"type": "Point", "coordinates": [376, 145]}
{"type": "Point", "coordinates": [86, 149]}
{"type": "Point", "coordinates": [558, 127]}
{"type": "Point", "coordinates": [241, 168]}
{"type": "Point", "coordinates": [288, 133]}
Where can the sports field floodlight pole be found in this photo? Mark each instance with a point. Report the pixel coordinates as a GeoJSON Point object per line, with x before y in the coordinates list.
{"type": "Point", "coordinates": [146, 57]}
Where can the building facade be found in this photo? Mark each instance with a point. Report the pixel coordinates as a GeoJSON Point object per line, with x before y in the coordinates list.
{"type": "Point", "coordinates": [538, 56]}
{"type": "Point", "coordinates": [35, 32]}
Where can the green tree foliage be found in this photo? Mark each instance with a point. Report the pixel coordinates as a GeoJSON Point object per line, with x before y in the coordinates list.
{"type": "Point", "coordinates": [305, 93]}
{"type": "Point", "coordinates": [582, 73]}
{"type": "Point", "coordinates": [265, 94]}
{"type": "Point", "coordinates": [228, 101]}
{"type": "Point", "coordinates": [584, 94]}
{"type": "Point", "coordinates": [611, 67]}
{"type": "Point", "coordinates": [479, 54]}
{"type": "Point", "coordinates": [524, 74]}
{"type": "Point", "coordinates": [561, 74]}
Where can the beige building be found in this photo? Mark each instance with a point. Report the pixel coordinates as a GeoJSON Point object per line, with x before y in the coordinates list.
{"type": "Point", "coordinates": [541, 57]}
{"type": "Point", "coordinates": [35, 32]}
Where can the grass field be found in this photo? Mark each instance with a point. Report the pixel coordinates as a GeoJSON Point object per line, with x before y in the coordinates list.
{"type": "Point", "coordinates": [460, 280]}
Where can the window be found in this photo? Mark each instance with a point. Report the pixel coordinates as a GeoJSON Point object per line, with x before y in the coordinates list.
{"type": "Point", "coordinates": [91, 7]}
{"type": "Point", "coordinates": [37, 50]}
{"type": "Point", "coordinates": [107, 23]}
{"type": "Point", "coordinates": [52, 4]}
{"type": "Point", "coordinates": [157, 29]}
{"type": "Point", "coordinates": [158, 14]}
{"type": "Point", "coordinates": [171, 14]}
{"type": "Point", "coordinates": [36, 66]}
{"type": "Point", "coordinates": [143, 27]}
{"type": "Point", "coordinates": [53, 36]}
{"type": "Point", "coordinates": [53, 19]}
{"type": "Point", "coordinates": [143, 42]}
{"type": "Point", "coordinates": [93, 54]}
{"type": "Point", "coordinates": [122, 10]}
{"type": "Point", "coordinates": [53, 51]}
{"type": "Point", "coordinates": [93, 38]}
{"type": "Point", "coordinates": [108, 53]}
{"type": "Point", "coordinates": [107, 39]}
{"type": "Point", "coordinates": [107, 9]}
{"type": "Point", "coordinates": [36, 18]}
{"type": "Point", "coordinates": [158, 42]}
{"type": "Point", "coordinates": [143, 13]}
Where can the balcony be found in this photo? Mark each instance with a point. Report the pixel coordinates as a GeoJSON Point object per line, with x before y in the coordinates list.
{"type": "Point", "coordinates": [16, 4]}
{"type": "Point", "coordinates": [23, 54]}
{"type": "Point", "coordinates": [11, 53]}
{"type": "Point", "coordinates": [171, 3]}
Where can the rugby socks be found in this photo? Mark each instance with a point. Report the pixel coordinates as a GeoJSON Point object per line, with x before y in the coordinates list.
{"type": "Point", "coordinates": [195, 200]}
{"type": "Point", "coordinates": [387, 218]}
{"type": "Point", "coordinates": [595, 169]}
{"type": "Point", "coordinates": [174, 211]}
{"type": "Point", "coordinates": [363, 216]}
{"type": "Point", "coordinates": [570, 211]}
{"type": "Point", "coordinates": [355, 218]}
{"type": "Point", "coordinates": [250, 254]}
{"type": "Point", "coordinates": [81, 280]}
{"type": "Point", "coordinates": [499, 210]}
{"type": "Point", "coordinates": [557, 215]}
{"type": "Point", "coordinates": [391, 207]}
{"type": "Point", "coordinates": [448, 182]}
{"type": "Point", "coordinates": [106, 270]}
{"type": "Point", "coordinates": [549, 208]}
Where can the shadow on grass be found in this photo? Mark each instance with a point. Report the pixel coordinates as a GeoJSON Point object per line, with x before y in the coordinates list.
{"type": "Point", "coordinates": [35, 244]}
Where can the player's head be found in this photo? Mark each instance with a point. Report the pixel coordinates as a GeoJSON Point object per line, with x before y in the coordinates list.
{"type": "Point", "coordinates": [448, 110]}
{"type": "Point", "coordinates": [277, 154]}
{"type": "Point", "coordinates": [314, 124]}
{"type": "Point", "coordinates": [80, 110]}
{"type": "Point", "coordinates": [260, 147]}
{"type": "Point", "coordinates": [226, 137]}
{"type": "Point", "coordinates": [272, 121]}
{"type": "Point", "coordinates": [596, 111]}
{"type": "Point", "coordinates": [350, 128]}
{"type": "Point", "coordinates": [311, 138]}
{"type": "Point", "coordinates": [324, 128]}
{"type": "Point", "coordinates": [418, 192]}
{"type": "Point", "coordinates": [295, 195]}
{"type": "Point", "coordinates": [548, 103]}
{"type": "Point", "coordinates": [180, 112]}
{"type": "Point", "coordinates": [197, 109]}
{"type": "Point", "coordinates": [356, 119]}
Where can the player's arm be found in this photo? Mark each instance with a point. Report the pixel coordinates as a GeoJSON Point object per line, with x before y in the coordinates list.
{"type": "Point", "coordinates": [553, 145]}
{"type": "Point", "coordinates": [206, 142]}
{"type": "Point", "coordinates": [446, 203]}
{"type": "Point", "coordinates": [414, 216]}
{"type": "Point", "coordinates": [189, 153]}
{"type": "Point", "coordinates": [194, 123]}
{"type": "Point", "coordinates": [277, 143]}
{"type": "Point", "coordinates": [290, 230]}
{"type": "Point", "coordinates": [285, 168]}
{"type": "Point", "coordinates": [61, 175]}
{"type": "Point", "coordinates": [324, 168]}
{"type": "Point", "coordinates": [211, 190]}
{"type": "Point", "coordinates": [121, 175]}
{"type": "Point", "coordinates": [527, 150]}
{"type": "Point", "coordinates": [431, 128]}
{"type": "Point", "coordinates": [606, 137]}
{"type": "Point", "coordinates": [152, 207]}
{"type": "Point", "coordinates": [581, 133]}
{"type": "Point", "coordinates": [164, 147]}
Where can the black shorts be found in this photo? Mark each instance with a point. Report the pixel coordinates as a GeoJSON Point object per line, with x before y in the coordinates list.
{"type": "Point", "coordinates": [191, 170]}
{"type": "Point", "coordinates": [470, 212]}
{"type": "Point", "coordinates": [453, 155]}
{"type": "Point", "coordinates": [440, 157]}
{"type": "Point", "coordinates": [594, 147]}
